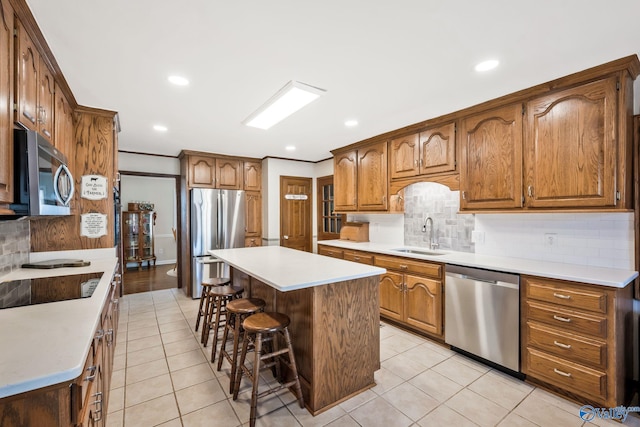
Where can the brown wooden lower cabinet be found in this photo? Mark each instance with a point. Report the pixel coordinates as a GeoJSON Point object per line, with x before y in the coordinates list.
{"type": "Point", "coordinates": [576, 338]}
{"type": "Point", "coordinates": [411, 291]}
{"type": "Point", "coordinates": [335, 332]}
{"type": "Point", "coordinates": [80, 402]}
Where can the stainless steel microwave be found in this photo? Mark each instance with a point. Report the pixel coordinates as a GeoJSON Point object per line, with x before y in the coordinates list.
{"type": "Point", "coordinates": [43, 184]}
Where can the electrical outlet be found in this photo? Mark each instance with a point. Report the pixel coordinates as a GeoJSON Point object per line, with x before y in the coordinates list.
{"type": "Point", "coordinates": [550, 239]}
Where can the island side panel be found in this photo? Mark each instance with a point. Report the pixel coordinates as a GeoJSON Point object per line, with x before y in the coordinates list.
{"type": "Point", "coordinates": [346, 339]}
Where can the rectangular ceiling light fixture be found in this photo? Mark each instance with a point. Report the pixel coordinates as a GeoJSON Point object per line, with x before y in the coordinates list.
{"type": "Point", "coordinates": [292, 97]}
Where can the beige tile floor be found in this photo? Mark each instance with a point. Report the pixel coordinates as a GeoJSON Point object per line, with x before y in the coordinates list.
{"type": "Point", "coordinates": [162, 376]}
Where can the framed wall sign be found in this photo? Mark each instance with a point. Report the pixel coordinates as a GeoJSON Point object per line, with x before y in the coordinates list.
{"type": "Point", "coordinates": [94, 187]}
{"type": "Point", "coordinates": [93, 225]}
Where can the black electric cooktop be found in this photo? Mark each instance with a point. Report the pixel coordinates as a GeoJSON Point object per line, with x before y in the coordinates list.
{"type": "Point", "coordinates": [17, 293]}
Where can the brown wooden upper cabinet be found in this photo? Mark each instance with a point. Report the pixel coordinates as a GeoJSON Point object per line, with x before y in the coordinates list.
{"type": "Point", "coordinates": [229, 174]}
{"type": "Point", "coordinates": [570, 147]}
{"type": "Point", "coordinates": [201, 172]}
{"type": "Point", "coordinates": [253, 226]}
{"type": "Point", "coordinates": [491, 159]}
{"type": "Point", "coordinates": [432, 151]}
{"type": "Point", "coordinates": [64, 137]}
{"type": "Point", "coordinates": [252, 176]}
{"type": "Point", "coordinates": [361, 179]}
{"type": "Point", "coordinates": [6, 102]}
{"type": "Point", "coordinates": [35, 87]}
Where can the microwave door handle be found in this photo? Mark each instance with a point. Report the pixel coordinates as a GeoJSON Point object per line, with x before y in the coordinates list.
{"type": "Point", "coordinates": [56, 190]}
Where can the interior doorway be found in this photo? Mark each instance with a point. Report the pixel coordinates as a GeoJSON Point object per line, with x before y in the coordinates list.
{"type": "Point", "coordinates": [295, 212]}
{"type": "Point", "coordinates": [156, 240]}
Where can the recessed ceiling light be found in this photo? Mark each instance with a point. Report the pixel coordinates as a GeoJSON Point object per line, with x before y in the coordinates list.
{"type": "Point", "coordinates": [351, 123]}
{"type": "Point", "coordinates": [290, 148]}
{"type": "Point", "coordinates": [487, 65]}
{"type": "Point", "coordinates": [292, 97]}
{"type": "Point", "coordinates": [160, 128]}
{"type": "Point", "coordinates": [178, 80]}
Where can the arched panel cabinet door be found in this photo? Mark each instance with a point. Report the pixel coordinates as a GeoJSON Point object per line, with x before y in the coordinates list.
{"type": "Point", "coordinates": [345, 180]}
{"type": "Point", "coordinates": [372, 177]}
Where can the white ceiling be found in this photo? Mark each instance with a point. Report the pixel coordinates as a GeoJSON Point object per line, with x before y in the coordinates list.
{"type": "Point", "coordinates": [387, 64]}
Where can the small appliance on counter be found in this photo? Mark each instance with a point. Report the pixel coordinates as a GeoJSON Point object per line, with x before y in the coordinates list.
{"type": "Point", "coordinates": [57, 263]}
{"type": "Point", "coordinates": [355, 231]}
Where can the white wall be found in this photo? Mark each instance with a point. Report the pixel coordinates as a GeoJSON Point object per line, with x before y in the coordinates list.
{"type": "Point", "coordinates": [272, 170]}
{"type": "Point", "coordinates": [161, 192]}
{"type": "Point", "coordinates": [145, 163]}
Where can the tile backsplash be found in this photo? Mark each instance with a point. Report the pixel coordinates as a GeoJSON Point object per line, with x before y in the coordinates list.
{"type": "Point", "coordinates": [14, 245]}
{"type": "Point", "coordinates": [452, 230]}
{"type": "Point", "coordinates": [594, 239]}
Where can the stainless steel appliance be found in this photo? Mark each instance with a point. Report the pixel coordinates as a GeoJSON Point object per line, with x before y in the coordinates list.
{"type": "Point", "coordinates": [217, 222]}
{"type": "Point", "coordinates": [43, 183]}
{"type": "Point", "coordinates": [482, 314]}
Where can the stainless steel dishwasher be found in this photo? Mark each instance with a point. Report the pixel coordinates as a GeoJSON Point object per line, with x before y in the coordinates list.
{"type": "Point", "coordinates": [482, 314]}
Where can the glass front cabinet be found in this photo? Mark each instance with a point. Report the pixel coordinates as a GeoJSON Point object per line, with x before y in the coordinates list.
{"type": "Point", "coordinates": [138, 238]}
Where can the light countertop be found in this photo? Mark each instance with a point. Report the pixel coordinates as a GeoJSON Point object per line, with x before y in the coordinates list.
{"type": "Point", "coordinates": [612, 277]}
{"type": "Point", "coordinates": [46, 344]}
{"type": "Point", "coordinates": [288, 269]}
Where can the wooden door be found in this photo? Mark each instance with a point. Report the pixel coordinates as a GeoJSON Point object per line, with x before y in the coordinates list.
{"type": "Point", "coordinates": [28, 60]}
{"type": "Point", "coordinates": [570, 147]}
{"type": "Point", "coordinates": [252, 176]}
{"type": "Point", "coordinates": [201, 172]}
{"type": "Point", "coordinates": [229, 174]}
{"type": "Point", "coordinates": [345, 180]}
{"type": "Point", "coordinates": [295, 212]}
{"type": "Point", "coordinates": [372, 177]}
{"type": "Point", "coordinates": [491, 159]}
{"type": "Point", "coordinates": [391, 295]}
{"type": "Point", "coordinates": [423, 303]}
{"type": "Point", "coordinates": [404, 156]}
{"type": "Point", "coordinates": [6, 102]}
{"type": "Point", "coordinates": [438, 150]}
{"type": "Point", "coordinates": [253, 219]}
{"type": "Point", "coordinates": [46, 102]}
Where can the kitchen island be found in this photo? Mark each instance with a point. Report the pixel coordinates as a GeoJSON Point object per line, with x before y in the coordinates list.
{"type": "Point", "coordinates": [334, 311]}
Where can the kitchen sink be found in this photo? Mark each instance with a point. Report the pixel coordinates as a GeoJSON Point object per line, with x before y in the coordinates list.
{"type": "Point", "coordinates": [418, 252]}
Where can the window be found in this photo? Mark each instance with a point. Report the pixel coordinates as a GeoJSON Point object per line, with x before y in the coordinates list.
{"type": "Point", "coordinates": [329, 222]}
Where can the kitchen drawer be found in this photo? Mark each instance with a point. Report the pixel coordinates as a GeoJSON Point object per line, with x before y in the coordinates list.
{"type": "Point", "coordinates": [568, 320]}
{"type": "Point", "coordinates": [361, 257]}
{"type": "Point", "coordinates": [332, 252]}
{"type": "Point", "coordinates": [562, 293]}
{"type": "Point", "coordinates": [574, 377]}
{"type": "Point", "coordinates": [405, 265]}
{"type": "Point", "coordinates": [569, 346]}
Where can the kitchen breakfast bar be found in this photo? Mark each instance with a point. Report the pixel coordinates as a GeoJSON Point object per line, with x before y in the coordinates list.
{"type": "Point", "coordinates": [334, 311]}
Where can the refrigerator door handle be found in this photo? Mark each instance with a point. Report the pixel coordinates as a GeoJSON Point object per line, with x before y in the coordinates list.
{"type": "Point", "coordinates": [220, 207]}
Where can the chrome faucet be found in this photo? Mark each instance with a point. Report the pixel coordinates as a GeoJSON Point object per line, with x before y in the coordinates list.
{"type": "Point", "coordinates": [428, 225]}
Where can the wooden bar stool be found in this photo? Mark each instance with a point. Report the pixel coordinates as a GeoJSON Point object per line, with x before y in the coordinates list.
{"type": "Point", "coordinates": [255, 326]}
{"type": "Point", "coordinates": [206, 285]}
{"type": "Point", "coordinates": [218, 298]}
{"type": "Point", "coordinates": [237, 311]}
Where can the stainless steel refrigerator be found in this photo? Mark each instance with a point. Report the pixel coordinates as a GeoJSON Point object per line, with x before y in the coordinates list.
{"type": "Point", "coordinates": [217, 222]}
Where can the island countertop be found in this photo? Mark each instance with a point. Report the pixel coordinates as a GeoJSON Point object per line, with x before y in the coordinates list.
{"type": "Point", "coordinates": [288, 269]}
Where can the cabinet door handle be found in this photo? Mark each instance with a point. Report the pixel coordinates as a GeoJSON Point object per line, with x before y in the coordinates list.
{"type": "Point", "coordinates": [99, 334]}
{"type": "Point", "coordinates": [530, 191]}
{"type": "Point", "coordinates": [92, 373]}
{"type": "Point", "coordinates": [464, 195]}
{"type": "Point", "coordinates": [97, 402]}
{"type": "Point", "coordinates": [29, 117]}
{"type": "Point", "coordinates": [559, 372]}
{"type": "Point", "coordinates": [561, 345]}
{"type": "Point", "coordinates": [562, 319]}
{"type": "Point", "coordinates": [47, 133]}
{"type": "Point", "coordinates": [416, 162]}
{"type": "Point", "coordinates": [561, 296]}
{"type": "Point", "coordinates": [421, 161]}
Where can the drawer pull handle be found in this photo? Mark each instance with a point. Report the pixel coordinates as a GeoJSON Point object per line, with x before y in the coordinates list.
{"type": "Point", "coordinates": [561, 345]}
{"type": "Point", "coordinates": [403, 267]}
{"type": "Point", "coordinates": [562, 319]}
{"type": "Point", "coordinates": [92, 373]}
{"type": "Point", "coordinates": [559, 372]}
{"type": "Point", "coordinates": [561, 296]}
